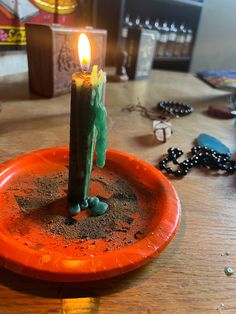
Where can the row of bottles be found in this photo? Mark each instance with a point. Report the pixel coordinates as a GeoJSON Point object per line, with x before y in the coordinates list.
{"type": "Point", "coordinates": [172, 40]}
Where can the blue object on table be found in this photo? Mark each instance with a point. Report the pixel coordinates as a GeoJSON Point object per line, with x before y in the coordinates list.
{"type": "Point", "coordinates": [211, 142]}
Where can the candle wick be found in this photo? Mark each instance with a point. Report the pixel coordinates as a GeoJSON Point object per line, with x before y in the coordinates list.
{"type": "Point", "coordinates": [84, 68]}
{"type": "Point", "coordinates": [84, 72]}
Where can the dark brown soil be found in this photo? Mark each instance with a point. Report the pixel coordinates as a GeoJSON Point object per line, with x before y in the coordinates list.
{"type": "Point", "coordinates": [122, 224]}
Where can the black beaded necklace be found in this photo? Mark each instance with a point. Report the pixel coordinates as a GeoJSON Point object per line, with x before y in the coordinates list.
{"type": "Point", "coordinates": [200, 156]}
{"type": "Point", "coordinates": [175, 108]}
{"type": "Point", "coordinates": [170, 109]}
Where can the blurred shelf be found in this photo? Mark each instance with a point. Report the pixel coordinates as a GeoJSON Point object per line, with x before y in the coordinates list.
{"type": "Point", "coordinates": [184, 2]}
{"type": "Point", "coordinates": [172, 59]}
{"type": "Point", "coordinates": [172, 63]}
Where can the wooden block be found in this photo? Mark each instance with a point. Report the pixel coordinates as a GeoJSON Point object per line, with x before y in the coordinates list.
{"type": "Point", "coordinates": [53, 56]}
{"type": "Point", "coordinates": [141, 45]}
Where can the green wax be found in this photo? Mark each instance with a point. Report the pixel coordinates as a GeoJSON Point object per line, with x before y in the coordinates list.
{"type": "Point", "coordinates": [101, 126]}
{"type": "Point", "coordinates": [87, 125]}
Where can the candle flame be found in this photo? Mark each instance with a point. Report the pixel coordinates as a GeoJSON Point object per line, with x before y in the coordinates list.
{"type": "Point", "coordinates": [84, 50]}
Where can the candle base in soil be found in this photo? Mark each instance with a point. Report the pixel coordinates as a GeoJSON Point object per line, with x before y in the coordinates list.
{"type": "Point", "coordinates": [96, 206]}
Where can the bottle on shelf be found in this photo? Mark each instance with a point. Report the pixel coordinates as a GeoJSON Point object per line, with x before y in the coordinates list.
{"type": "Point", "coordinates": [161, 44]}
{"type": "Point", "coordinates": [125, 28]}
{"type": "Point", "coordinates": [171, 41]}
{"type": "Point", "coordinates": [137, 22]}
{"type": "Point", "coordinates": [147, 24]}
{"type": "Point", "coordinates": [126, 24]}
{"type": "Point", "coordinates": [156, 27]}
{"type": "Point", "coordinates": [180, 39]}
{"type": "Point", "coordinates": [187, 48]}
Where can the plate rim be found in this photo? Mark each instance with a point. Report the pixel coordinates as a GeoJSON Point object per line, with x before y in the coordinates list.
{"type": "Point", "coordinates": [100, 266]}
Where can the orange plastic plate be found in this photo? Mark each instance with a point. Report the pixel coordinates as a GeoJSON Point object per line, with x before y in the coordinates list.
{"type": "Point", "coordinates": [45, 256]}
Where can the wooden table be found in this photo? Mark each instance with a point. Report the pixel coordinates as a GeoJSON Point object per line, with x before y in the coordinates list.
{"type": "Point", "coordinates": [188, 277]}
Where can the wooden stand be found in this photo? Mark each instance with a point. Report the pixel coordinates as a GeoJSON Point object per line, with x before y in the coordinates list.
{"type": "Point", "coordinates": [53, 56]}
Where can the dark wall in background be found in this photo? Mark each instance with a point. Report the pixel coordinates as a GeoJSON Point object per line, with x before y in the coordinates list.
{"type": "Point", "coordinates": [109, 14]}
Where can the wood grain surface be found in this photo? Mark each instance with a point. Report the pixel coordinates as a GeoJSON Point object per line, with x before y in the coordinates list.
{"type": "Point", "coordinates": [188, 277]}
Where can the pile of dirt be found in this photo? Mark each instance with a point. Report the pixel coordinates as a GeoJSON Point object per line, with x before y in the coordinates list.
{"type": "Point", "coordinates": [124, 222]}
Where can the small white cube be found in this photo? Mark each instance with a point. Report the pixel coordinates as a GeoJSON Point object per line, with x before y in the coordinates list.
{"type": "Point", "coordinates": [162, 130]}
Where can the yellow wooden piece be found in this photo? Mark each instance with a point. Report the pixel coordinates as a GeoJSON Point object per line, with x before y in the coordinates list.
{"type": "Point", "coordinates": [63, 6]}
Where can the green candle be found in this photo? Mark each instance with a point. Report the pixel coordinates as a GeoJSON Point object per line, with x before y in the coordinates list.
{"type": "Point", "coordinates": [88, 130]}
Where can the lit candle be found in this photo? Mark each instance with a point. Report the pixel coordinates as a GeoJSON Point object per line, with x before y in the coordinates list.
{"type": "Point", "coordinates": [88, 129]}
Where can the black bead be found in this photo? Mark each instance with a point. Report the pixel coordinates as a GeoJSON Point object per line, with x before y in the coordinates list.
{"type": "Point", "coordinates": [185, 163]}
{"type": "Point", "coordinates": [191, 164]}
{"type": "Point", "coordinates": [195, 160]}
{"type": "Point", "coordinates": [169, 170]}
{"type": "Point", "coordinates": [230, 169]}
{"type": "Point", "coordinates": [161, 166]}
{"type": "Point", "coordinates": [184, 172]}
{"type": "Point", "coordinates": [178, 173]}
